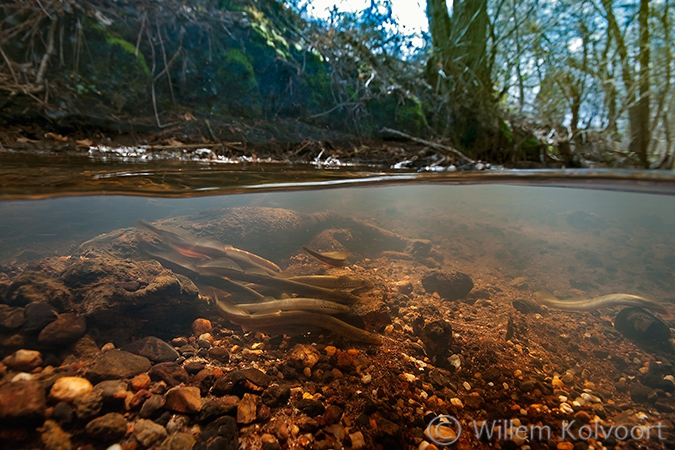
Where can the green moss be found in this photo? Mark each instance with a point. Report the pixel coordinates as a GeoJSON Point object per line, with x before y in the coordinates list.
{"type": "Point", "coordinates": [530, 147]}
{"type": "Point", "coordinates": [119, 75]}
{"type": "Point", "coordinates": [237, 82]}
{"type": "Point", "coordinates": [404, 115]}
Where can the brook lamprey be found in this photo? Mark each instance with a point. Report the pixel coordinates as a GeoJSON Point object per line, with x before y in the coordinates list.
{"type": "Point", "coordinates": [294, 321]}
{"type": "Point", "coordinates": [605, 301]}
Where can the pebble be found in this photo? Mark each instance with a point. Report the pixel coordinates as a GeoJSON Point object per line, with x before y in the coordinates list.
{"type": "Point", "coordinates": [450, 285]}
{"type": "Point", "coordinates": [178, 441]}
{"type": "Point", "coordinates": [302, 355]}
{"type": "Point", "coordinates": [141, 381]}
{"type": "Point", "coordinates": [67, 328]}
{"type": "Point", "coordinates": [89, 405]}
{"type": "Point", "coordinates": [23, 360]}
{"type": "Point", "coordinates": [67, 389]}
{"type": "Point", "coordinates": [184, 400]}
{"type": "Point", "coordinates": [219, 354]}
{"type": "Point", "coordinates": [240, 381]}
{"type": "Point", "coordinates": [38, 315]}
{"type": "Point", "coordinates": [153, 404]}
{"type": "Point", "coordinates": [310, 407]}
{"type": "Point", "coordinates": [112, 390]}
{"type": "Point", "coordinates": [54, 438]}
{"type": "Point", "coordinates": [118, 364]}
{"type": "Point", "coordinates": [107, 347]}
{"type": "Point", "coordinates": [564, 446]}
{"type": "Point", "coordinates": [22, 399]}
{"type": "Point", "coordinates": [155, 349]}
{"type": "Point", "coordinates": [246, 410]}
{"type": "Point", "coordinates": [357, 440]}
{"type": "Point", "coordinates": [176, 423]}
{"type": "Point", "coordinates": [169, 372]}
{"type": "Point", "coordinates": [109, 427]}
{"type": "Point", "coordinates": [148, 432]}
{"type": "Point", "coordinates": [201, 326]}
{"type": "Point", "coordinates": [221, 434]}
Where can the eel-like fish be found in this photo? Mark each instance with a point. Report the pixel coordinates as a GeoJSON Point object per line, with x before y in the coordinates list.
{"type": "Point", "coordinates": [213, 268]}
{"type": "Point", "coordinates": [193, 247]}
{"type": "Point", "coordinates": [280, 322]}
{"type": "Point", "coordinates": [605, 301]}
{"type": "Point", "coordinates": [288, 304]}
{"type": "Point", "coordinates": [335, 259]}
{"type": "Point", "coordinates": [334, 282]}
{"type": "Point", "coordinates": [185, 266]}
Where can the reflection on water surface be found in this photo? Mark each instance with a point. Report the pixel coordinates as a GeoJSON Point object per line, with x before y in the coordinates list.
{"type": "Point", "coordinates": [467, 289]}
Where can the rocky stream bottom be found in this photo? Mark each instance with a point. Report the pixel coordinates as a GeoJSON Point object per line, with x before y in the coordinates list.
{"type": "Point", "coordinates": [168, 372]}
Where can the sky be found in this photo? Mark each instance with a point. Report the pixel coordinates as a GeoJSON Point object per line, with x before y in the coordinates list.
{"type": "Point", "coordinates": [410, 14]}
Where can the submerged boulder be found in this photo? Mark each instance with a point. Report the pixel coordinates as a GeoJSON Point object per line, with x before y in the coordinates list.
{"type": "Point", "coordinates": [642, 327]}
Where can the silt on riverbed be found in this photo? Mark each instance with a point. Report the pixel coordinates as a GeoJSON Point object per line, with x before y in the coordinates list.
{"type": "Point", "coordinates": [112, 334]}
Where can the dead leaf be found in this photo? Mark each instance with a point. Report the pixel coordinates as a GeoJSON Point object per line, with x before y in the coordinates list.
{"type": "Point", "coordinates": [174, 142]}
{"type": "Point", "coordinates": [188, 117]}
{"type": "Point", "coordinates": [56, 137]}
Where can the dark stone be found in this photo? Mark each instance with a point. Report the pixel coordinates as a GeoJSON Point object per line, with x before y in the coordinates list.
{"type": "Point", "coordinates": [89, 405]}
{"type": "Point", "coordinates": [24, 399]}
{"type": "Point", "coordinates": [221, 434]}
{"type": "Point", "coordinates": [217, 407]}
{"type": "Point", "coordinates": [639, 393]}
{"type": "Point", "coordinates": [112, 390]}
{"type": "Point", "coordinates": [178, 441]}
{"type": "Point", "coordinates": [642, 327]}
{"type": "Point", "coordinates": [310, 407]}
{"type": "Point", "coordinates": [151, 406]}
{"type": "Point", "coordinates": [11, 318]}
{"type": "Point", "coordinates": [449, 285]}
{"type": "Point", "coordinates": [276, 395]}
{"type": "Point", "coordinates": [67, 328]}
{"type": "Point", "coordinates": [193, 366]}
{"type": "Point", "coordinates": [240, 382]}
{"type": "Point", "coordinates": [219, 354]}
{"type": "Point", "coordinates": [437, 338]}
{"type": "Point", "coordinates": [38, 316]}
{"type": "Point", "coordinates": [527, 306]}
{"type": "Point", "coordinates": [107, 428]}
{"type": "Point", "coordinates": [155, 349]}
{"type": "Point", "coordinates": [62, 413]}
{"type": "Point", "coordinates": [333, 414]}
{"type": "Point", "coordinates": [169, 372]}
{"type": "Point", "coordinates": [204, 380]}
{"type": "Point", "coordinates": [654, 377]}
{"type": "Point", "coordinates": [118, 364]}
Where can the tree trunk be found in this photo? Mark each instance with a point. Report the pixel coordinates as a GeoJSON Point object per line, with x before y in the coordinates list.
{"type": "Point", "coordinates": [643, 116]}
{"type": "Point", "coordinates": [459, 68]}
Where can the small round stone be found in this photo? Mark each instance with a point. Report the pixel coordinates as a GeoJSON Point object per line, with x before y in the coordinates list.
{"type": "Point", "coordinates": [67, 389]}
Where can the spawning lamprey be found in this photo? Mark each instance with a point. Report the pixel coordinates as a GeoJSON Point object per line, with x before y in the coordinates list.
{"type": "Point", "coordinates": [189, 246]}
{"type": "Point", "coordinates": [335, 259]}
{"type": "Point", "coordinates": [213, 265]}
{"type": "Point", "coordinates": [294, 321]}
{"type": "Point", "coordinates": [288, 304]}
{"type": "Point", "coordinates": [605, 301]}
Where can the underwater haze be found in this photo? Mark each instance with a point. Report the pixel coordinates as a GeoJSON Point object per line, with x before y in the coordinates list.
{"type": "Point", "coordinates": [406, 315]}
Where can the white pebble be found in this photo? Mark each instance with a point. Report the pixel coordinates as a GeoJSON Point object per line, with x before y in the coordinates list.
{"type": "Point", "coordinates": [455, 361]}
{"type": "Point", "coordinates": [566, 408]}
{"type": "Point", "coordinates": [466, 385]}
{"type": "Point", "coordinates": [115, 447]}
{"type": "Point", "coordinates": [22, 376]}
{"type": "Point", "coordinates": [367, 378]}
